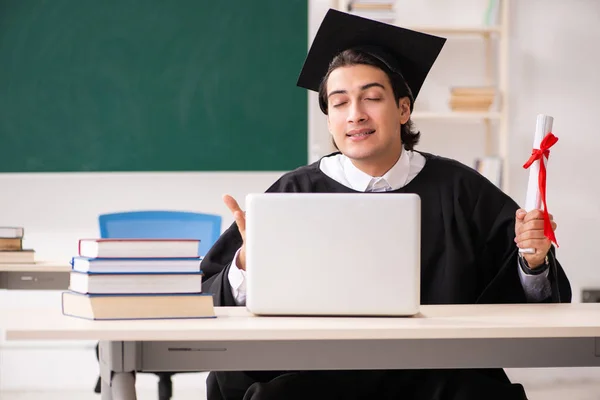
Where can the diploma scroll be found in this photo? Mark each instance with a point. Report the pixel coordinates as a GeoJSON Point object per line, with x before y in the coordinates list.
{"type": "Point", "coordinates": [533, 199]}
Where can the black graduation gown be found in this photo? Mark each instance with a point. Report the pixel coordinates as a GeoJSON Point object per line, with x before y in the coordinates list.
{"type": "Point", "coordinates": [468, 256]}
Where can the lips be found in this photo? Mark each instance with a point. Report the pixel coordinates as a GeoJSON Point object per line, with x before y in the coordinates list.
{"type": "Point", "coordinates": [358, 133]}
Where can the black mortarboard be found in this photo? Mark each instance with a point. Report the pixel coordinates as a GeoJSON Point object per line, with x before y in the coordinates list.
{"type": "Point", "coordinates": [405, 51]}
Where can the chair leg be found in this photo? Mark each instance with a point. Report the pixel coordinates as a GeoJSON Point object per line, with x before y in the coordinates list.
{"type": "Point", "coordinates": [97, 389]}
{"type": "Point", "coordinates": [165, 386]}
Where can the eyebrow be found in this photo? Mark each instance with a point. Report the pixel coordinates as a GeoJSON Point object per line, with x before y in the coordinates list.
{"type": "Point", "coordinates": [363, 87]}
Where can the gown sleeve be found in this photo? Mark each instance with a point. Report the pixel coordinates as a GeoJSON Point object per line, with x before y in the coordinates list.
{"type": "Point", "coordinates": [494, 219]}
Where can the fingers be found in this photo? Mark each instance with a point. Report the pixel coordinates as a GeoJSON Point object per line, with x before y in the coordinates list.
{"type": "Point", "coordinates": [529, 230]}
{"type": "Point", "coordinates": [535, 234]}
{"type": "Point", "coordinates": [231, 203]}
{"type": "Point", "coordinates": [238, 214]}
{"type": "Point", "coordinates": [534, 215]}
{"type": "Point", "coordinates": [536, 224]}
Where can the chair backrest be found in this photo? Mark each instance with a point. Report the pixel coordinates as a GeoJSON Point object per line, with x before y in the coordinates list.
{"type": "Point", "coordinates": [162, 225]}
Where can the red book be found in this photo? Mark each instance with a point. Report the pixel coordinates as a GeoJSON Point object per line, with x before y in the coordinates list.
{"type": "Point", "coordinates": [138, 248]}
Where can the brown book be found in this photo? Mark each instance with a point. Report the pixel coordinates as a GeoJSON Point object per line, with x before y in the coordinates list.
{"type": "Point", "coordinates": [371, 6]}
{"type": "Point", "coordinates": [470, 103]}
{"type": "Point", "coordinates": [474, 101]}
{"type": "Point", "coordinates": [473, 91]}
{"type": "Point", "coordinates": [150, 306]}
{"type": "Point", "coordinates": [17, 257]}
{"type": "Point", "coordinates": [474, 106]}
{"type": "Point", "coordinates": [482, 108]}
{"type": "Point", "coordinates": [477, 97]}
{"type": "Point", "coordinates": [11, 243]}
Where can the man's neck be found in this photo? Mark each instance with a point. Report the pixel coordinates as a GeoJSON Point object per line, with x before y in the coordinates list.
{"type": "Point", "coordinates": [376, 168]}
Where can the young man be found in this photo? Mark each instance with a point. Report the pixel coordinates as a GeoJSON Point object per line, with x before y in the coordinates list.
{"type": "Point", "coordinates": [368, 75]}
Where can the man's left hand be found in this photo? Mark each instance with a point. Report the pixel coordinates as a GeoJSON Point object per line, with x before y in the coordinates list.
{"type": "Point", "coordinates": [529, 233]}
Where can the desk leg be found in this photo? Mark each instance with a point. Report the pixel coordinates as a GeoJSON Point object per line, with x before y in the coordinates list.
{"type": "Point", "coordinates": [123, 386]}
{"type": "Point", "coordinates": [118, 363]}
{"type": "Point", "coordinates": [3, 280]}
{"type": "Point", "coordinates": [105, 391]}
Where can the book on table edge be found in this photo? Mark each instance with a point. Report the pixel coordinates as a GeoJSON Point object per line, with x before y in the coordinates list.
{"type": "Point", "coordinates": [137, 306]}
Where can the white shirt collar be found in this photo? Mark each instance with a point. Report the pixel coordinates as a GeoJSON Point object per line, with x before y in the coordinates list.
{"type": "Point", "coordinates": [339, 168]}
{"type": "Point", "coordinates": [395, 178]}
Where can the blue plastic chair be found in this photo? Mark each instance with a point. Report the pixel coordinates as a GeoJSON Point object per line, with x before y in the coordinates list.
{"type": "Point", "coordinates": [161, 225]}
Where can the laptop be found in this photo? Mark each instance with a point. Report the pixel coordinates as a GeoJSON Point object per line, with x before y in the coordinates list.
{"type": "Point", "coordinates": [335, 254]}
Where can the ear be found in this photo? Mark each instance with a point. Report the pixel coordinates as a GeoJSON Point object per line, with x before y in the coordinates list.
{"type": "Point", "coordinates": [404, 109]}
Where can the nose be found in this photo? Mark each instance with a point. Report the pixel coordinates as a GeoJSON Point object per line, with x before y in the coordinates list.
{"type": "Point", "coordinates": [356, 113]}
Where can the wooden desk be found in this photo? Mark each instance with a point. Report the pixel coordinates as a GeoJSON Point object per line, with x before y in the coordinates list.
{"type": "Point", "coordinates": [38, 276]}
{"type": "Point", "coordinates": [463, 336]}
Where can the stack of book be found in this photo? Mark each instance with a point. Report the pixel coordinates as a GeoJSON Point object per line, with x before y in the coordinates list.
{"type": "Point", "coordinates": [472, 99]}
{"type": "Point", "coordinates": [378, 10]}
{"type": "Point", "coordinates": [137, 279]}
{"type": "Point", "coordinates": [11, 246]}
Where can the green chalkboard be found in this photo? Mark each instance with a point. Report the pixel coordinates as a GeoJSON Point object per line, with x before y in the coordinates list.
{"type": "Point", "coordinates": [152, 85]}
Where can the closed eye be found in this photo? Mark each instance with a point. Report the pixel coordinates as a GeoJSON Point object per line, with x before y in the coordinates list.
{"type": "Point", "coordinates": [339, 104]}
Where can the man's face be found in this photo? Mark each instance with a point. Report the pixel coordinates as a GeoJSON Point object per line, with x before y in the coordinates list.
{"type": "Point", "coordinates": [363, 116]}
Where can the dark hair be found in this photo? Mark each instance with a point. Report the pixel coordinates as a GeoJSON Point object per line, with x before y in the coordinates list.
{"type": "Point", "coordinates": [351, 57]}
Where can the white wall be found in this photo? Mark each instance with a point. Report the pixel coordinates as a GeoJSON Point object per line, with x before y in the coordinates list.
{"type": "Point", "coordinates": [553, 62]}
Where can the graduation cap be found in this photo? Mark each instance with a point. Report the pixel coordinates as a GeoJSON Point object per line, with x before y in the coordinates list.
{"type": "Point", "coordinates": [406, 52]}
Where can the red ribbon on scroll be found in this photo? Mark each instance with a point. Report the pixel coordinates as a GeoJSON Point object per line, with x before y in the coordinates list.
{"type": "Point", "coordinates": [538, 154]}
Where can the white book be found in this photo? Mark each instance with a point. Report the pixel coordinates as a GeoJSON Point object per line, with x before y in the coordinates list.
{"type": "Point", "coordinates": [136, 265]}
{"type": "Point", "coordinates": [11, 232]}
{"type": "Point", "coordinates": [138, 248]}
{"type": "Point", "coordinates": [135, 283]}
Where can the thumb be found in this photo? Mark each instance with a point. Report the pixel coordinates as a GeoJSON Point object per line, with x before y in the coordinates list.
{"type": "Point", "coordinates": [231, 203]}
{"type": "Point", "coordinates": [520, 214]}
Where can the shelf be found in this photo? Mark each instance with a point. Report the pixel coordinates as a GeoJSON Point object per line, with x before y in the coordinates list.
{"type": "Point", "coordinates": [456, 30]}
{"type": "Point", "coordinates": [455, 115]}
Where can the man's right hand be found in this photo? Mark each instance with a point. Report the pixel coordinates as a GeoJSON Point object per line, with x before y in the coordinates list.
{"type": "Point", "coordinates": [240, 220]}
